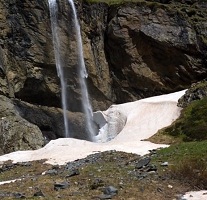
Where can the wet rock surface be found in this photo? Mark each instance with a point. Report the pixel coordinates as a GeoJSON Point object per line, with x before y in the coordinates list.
{"type": "Point", "coordinates": [24, 126]}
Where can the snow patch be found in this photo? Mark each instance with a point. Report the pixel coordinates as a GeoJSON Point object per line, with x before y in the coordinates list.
{"type": "Point", "coordinates": [133, 122]}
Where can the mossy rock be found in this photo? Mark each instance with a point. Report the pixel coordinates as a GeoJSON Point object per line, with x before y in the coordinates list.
{"type": "Point", "coordinates": [196, 92]}
{"type": "Point", "coordinates": [192, 124]}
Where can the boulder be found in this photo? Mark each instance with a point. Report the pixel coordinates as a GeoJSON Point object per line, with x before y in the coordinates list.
{"type": "Point", "coordinates": [15, 132]}
{"type": "Point", "coordinates": [197, 91]}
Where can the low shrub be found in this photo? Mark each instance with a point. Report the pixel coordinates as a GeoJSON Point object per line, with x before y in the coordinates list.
{"type": "Point", "coordinates": [192, 171]}
{"type": "Point", "coordinates": [192, 123]}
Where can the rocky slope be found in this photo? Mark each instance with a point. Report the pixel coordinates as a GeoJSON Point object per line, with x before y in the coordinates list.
{"type": "Point", "coordinates": [131, 51]}
{"type": "Point", "coordinates": [110, 175]}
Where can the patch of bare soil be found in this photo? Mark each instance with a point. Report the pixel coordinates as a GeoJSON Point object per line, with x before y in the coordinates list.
{"type": "Point", "coordinates": [160, 138]}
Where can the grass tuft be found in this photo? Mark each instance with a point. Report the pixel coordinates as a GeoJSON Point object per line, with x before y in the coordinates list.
{"type": "Point", "coordinates": [187, 163]}
{"type": "Point", "coordinates": [193, 171]}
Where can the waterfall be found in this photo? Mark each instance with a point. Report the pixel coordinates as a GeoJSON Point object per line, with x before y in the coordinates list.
{"type": "Point", "coordinates": [59, 62]}
{"type": "Point", "coordinates": [82, 73]}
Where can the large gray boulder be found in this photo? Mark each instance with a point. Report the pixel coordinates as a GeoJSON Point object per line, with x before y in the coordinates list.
{"type": "Point", "coordinates": [16, 133]}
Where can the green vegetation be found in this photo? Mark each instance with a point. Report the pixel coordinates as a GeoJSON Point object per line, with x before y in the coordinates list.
{"type": "Point", "coordinates": [187, 157]}
{"type": "Point", "coordinates": [185, 150]}
{"type": "Point", "coordinates": [192, 124]}
{"type": "Point", "coordinates": [187, 162]}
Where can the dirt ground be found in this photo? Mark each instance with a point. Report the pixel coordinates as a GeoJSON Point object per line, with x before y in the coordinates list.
{"type": "Point", "coordinates": [106, 175]}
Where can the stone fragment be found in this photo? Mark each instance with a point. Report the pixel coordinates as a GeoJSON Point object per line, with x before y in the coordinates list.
{"type": "Point", "coordinates": [164, 164]}
{"type": "Point", "coordinates": [110, 190]}
{"type": "Point", "coordinates": [61, 185]}
{"type": "Point", "coordinates": [39, 194]}
{"type": "Point", "coordinates": [73, 172]}
{"type": "Point", "coordinates": [142, 162]}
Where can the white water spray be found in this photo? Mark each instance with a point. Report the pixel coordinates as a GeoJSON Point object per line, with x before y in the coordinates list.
{"type": "Point", "coordinates": [81, 68]}
{"type": "Point", "coordinates": [83, 75]}
{"type": "Point", "coordinates": [58, 60]}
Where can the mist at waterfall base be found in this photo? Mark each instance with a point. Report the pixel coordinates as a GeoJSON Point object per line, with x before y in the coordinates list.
{"type": "Point", "coordinates": [70, 65]}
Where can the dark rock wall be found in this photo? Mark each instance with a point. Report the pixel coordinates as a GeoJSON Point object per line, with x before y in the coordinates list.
{"type": "Point", "coordinates": [131, 51]}
{"type": "Point", "coordinates": [27, 60]}
{"type": "Point", "coordinates": [197, 91]}
{"type": "Point", "coordinates": [94, 22]}
{"type": "Point", "coordinates": [155, 48]}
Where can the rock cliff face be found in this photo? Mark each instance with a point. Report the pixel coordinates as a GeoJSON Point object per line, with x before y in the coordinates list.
{"type": "Point", "coordinates": [131, 51]}
{"type": "Point", "coordinates": [16, 133]}
{"type": "Point", "coordinates": [27, 62]}
{"type": "Point", "coordinates": [155, 48]}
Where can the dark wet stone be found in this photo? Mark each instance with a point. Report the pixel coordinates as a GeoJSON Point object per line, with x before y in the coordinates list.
{"type": "Point", "coordinates": [142, 162]}
{"type": "Point", "coordinates": [151, 168]}
{"type": "Point", "coordinates": [142, 176]}
{"type": "Point", "coordinates": [61, 185]}
{"type": "Point", "coordinates": [56, 167]}
{"type": "Point", "coordinates": [159, 190]}
{"type": "Point", "coordinates": [6, 167]}
{"type": "Point", "coordinates": [24, 164]}
{"type": "Point", "coordinates": [51, 172]}
{"type": "Point", "coordinates": [153, 151]}
{"type": "Point", "coordinates": [73, 172]}
{"type": "Point", "coordinates": [6, 194]}
{"type": "Point", "coordinates": [110, 190]}
{"type": "Point", "coordinates": [104, 196]}
{"type": "Point", "coordinates": [19, 196]}
{"type": "Point", "coordinates": [97, 183]}
{"type": "Point", "coordinates": [39, 194]}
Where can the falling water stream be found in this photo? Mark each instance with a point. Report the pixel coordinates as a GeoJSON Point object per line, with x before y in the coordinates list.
{"type": "Point", "coordinates": [87, 109]}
